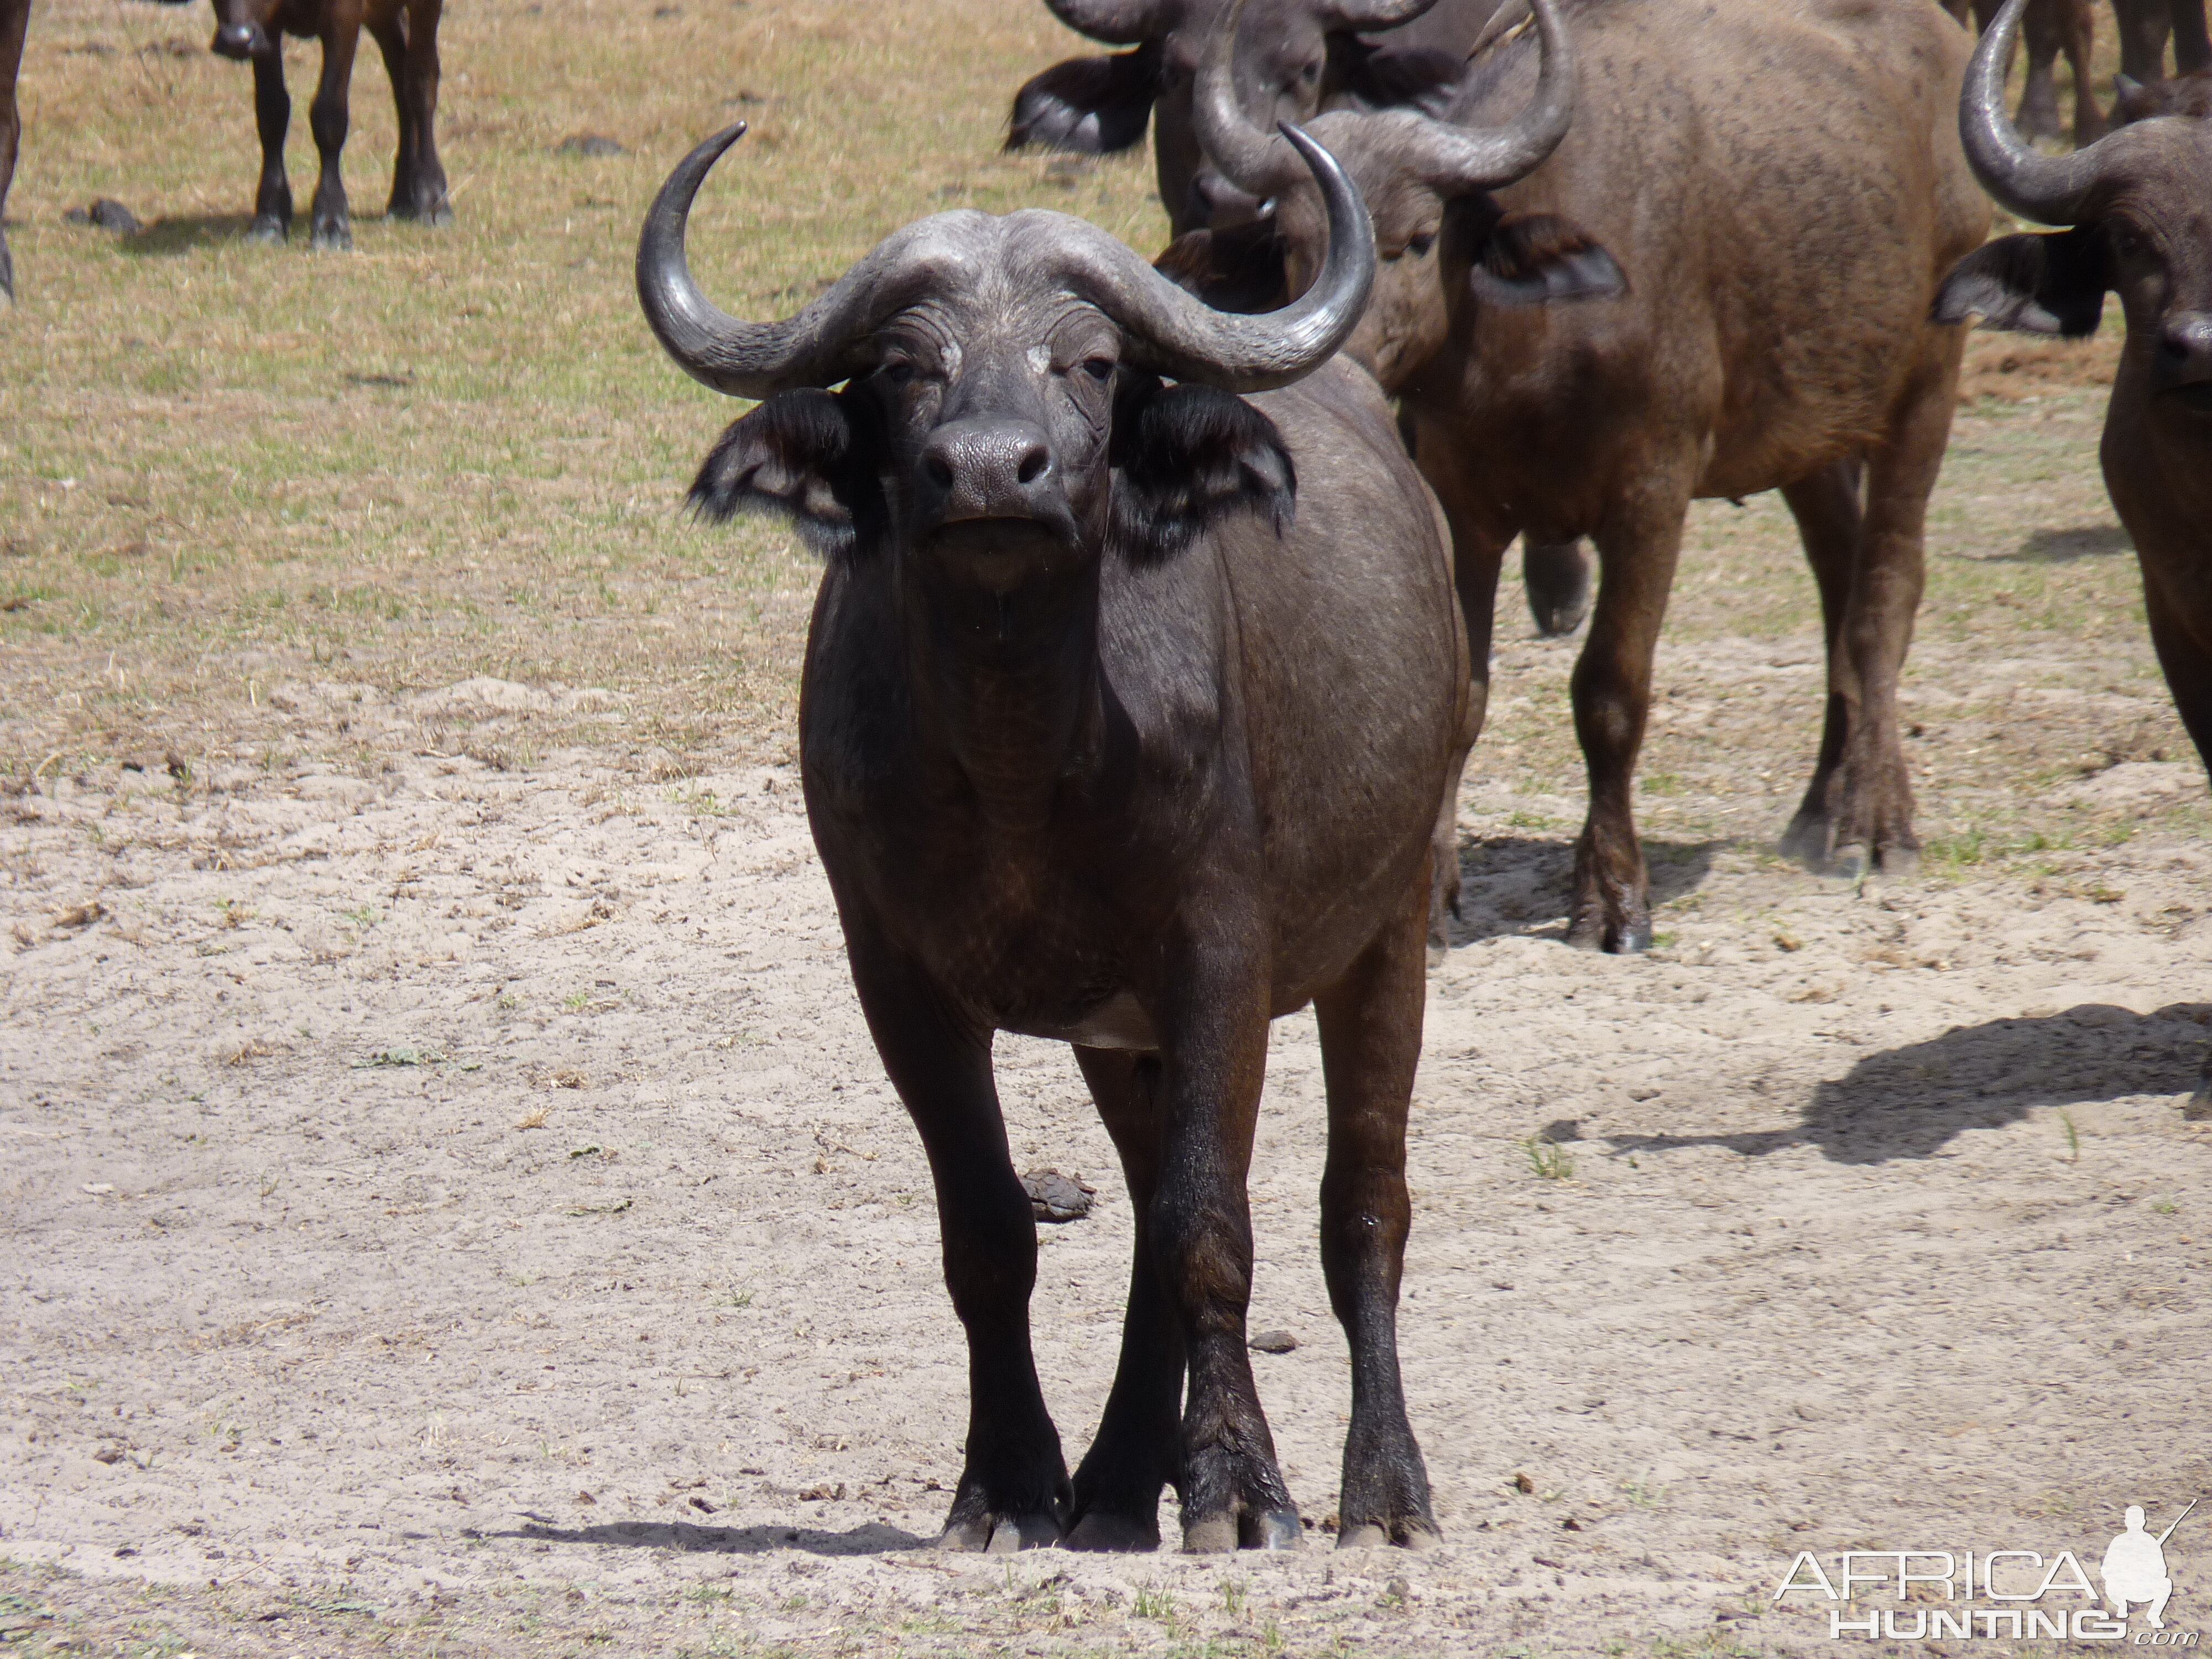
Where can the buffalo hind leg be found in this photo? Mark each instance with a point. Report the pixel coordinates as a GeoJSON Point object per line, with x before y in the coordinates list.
{"type": "Point", "coordinates": [1013, 1489]}
{"type": "Point", "coordinates": [1213, 1055]}
{"type": "Point", "coordinates": [331, 220]}
{"type": "Point", "coordinates": [1370, 1042]}
{"type": "Point", "coordinates": [1138, 1448]}
{"type": "Point", "coordinates": [272, 118]}
{"type": "Point", "coordinates": [1828, 510]}
{"type": "Point", "coordinates": [2038, 101]}
{"type": "Point", "coordinates": [1557, 575]}
{"type": "Point", "coordinates": [418, 178]}
{"type": "Point", "coordinates": [1637, 548]}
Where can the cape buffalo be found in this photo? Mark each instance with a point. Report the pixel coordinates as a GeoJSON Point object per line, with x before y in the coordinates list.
{"type": "Point", "coordinates": [406, 31]}
{"type": "Point", "coordinates": [15, 19]}
{"type": "Point", "coordinates": [1292, 58]}
{"type": "Point", "coordinates": [2138, 209]}
{"type": "Point", "coordinates": [1779, 182]}
{"type": "Point", "coordinates": [2144, 27]}
{"type": "Point", "coordinates": [1101, 741]}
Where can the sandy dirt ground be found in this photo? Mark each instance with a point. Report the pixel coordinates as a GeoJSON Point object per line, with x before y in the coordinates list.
{"type": "Point", "coordinates": [451, 1205]}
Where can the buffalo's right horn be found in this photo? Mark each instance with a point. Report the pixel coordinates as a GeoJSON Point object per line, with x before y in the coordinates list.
{"type": "Point", "coordinates": [1117, 23]}
{"type": "Point", "coordinates": [2050, 189]}
{"type": "Point", "coordinates": [758, 360]}
{"type": "Point", "coordinates": [1172, 332]}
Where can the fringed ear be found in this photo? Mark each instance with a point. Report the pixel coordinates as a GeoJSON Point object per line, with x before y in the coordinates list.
{"type": "Point", "coordinates": [1379, 76]}
{"type": "Point", "coordinates": [801, 456]}
{"type": "Point", "coordinates": [2029, 284]}
{"type": "Point", "coordinates": [1187, 457]}
{"type": "Point", "coordinates": [1238, 269]}
{"type": "Point", "coordinates": [1097, 105]}
{"type": "Point", "coordinates": [1534, 259]}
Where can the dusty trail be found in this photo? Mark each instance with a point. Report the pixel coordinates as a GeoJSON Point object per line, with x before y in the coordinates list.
{"type": "Point", "coordinates": [459, 1208]}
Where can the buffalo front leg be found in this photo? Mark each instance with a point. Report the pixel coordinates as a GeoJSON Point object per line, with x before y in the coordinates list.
{"type": "Point", "coordinates": [272, 118]}
{"type": "Point", "coordinates": [1213, 1027]}
{"type": "Point", "coordinates": [15, 17]}
{"type": "Point", "coordinates": [1479, 541]}
{"type": "Point", "coordinates": [1138, 1449]}
{"type": "Point", "coordinates": [2038, 101]}
{"type": "Point", "coordinates": [331, 220]}
{"type": "Point", "coordinates": [1869, 801]}
{"type": "Point", "coordinates": [1638, 547]}
{"type": "Point", "coordinates": [1013, 1489]}
{"type": "Point", "coordinates": [1370, 1041]}
{"type": "Point", "coordinates": [418, 178]}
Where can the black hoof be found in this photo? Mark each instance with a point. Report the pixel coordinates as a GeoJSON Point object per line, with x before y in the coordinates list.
{"type": "Point", "coordinates": [1409, 1532]}
{"type": "Point", "coordinates": [1217, 1535]}
{"type": "Point", "coordinates": [267, 229]}
{"type": "Point", "coordinates": [1615, 938]}
{"type": "Point", "coordinates": [331, 239]}
{"type": "Point", "coordinates": [1007, 1534]}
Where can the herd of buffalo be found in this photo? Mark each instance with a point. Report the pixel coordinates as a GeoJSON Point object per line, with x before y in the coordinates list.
{"type": "Point", "coordinates": [1155, 626]}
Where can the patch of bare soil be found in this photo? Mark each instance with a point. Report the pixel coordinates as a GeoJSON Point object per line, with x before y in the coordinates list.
{"type": "Point", "coordinates": [2012, 367]}
{"type": "Point", "coordinates": [452, 1206]}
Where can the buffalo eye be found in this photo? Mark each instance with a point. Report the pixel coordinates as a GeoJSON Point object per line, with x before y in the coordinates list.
{"type": "Point", "coordinates": [1419, 246]}
{"type": "Point", "coordinates": [1098, 368]}
{"type": "Point", "coordinates": [1310, 73]}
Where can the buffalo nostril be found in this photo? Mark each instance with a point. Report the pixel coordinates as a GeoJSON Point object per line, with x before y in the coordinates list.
{"type": "Point", "coordinates": [940, 473]}
{"type": "Point", "coordinates": [1036, 463]}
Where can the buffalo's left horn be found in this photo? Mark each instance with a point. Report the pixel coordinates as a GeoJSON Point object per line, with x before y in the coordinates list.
{"type": "Point", "coordinates": [758, 360]}
{"type": "Point", "coordinates": [1117, 22]}
{"type": "Point", "coordinates": [1454, 160]}
{"type": "Point", "coordinates": [2050, 189]}
{"type": "Point", "coordinates": [1170, 332]}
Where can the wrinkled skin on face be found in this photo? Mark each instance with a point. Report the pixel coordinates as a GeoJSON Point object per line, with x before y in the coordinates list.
{"type": "Point", "coordinates": [1126, 721]}
{"type": "Point", "coordinates": [15, 17]}
{"type": "Point", "coordinates": [406, 33]}
{"type": "Point", "coordinates": [2145, 233]}
{"type": "Point", "coordinates": [1293, 58]}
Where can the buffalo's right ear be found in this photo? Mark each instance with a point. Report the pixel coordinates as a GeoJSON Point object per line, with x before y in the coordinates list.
{"type": "Point", "coordinates": [1236, 270]}
{"type": "Point", "coordinates": [1188, 457]}
{"type": "Point", "coordinates": [1094, 105]}
{"type": "Point", "coordinates": [799, 456]}
{"type": "Point", "coordinates": [2032, 284]}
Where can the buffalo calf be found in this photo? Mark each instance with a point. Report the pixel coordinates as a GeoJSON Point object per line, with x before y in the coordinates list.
{"type": "Point", "coordinates": [406, 31]}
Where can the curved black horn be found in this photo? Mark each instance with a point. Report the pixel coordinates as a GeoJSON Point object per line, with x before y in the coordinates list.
{"type": "Point", "coordinates": [2050, 189]}
{"type": "Point", "coordinates": [756, 360]}
{"type": "Point", "coordinates": [1456, 160]}
{"type": "Point", "coordinates": [1172, 333]}
{"type": "Point", "coordinates": [1117, 23]}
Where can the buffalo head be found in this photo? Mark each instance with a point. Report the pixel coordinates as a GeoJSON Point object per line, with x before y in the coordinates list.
{"type": "Point", "coordinates": [2137, 206]}
{"type": "Point", "coordinates": [1001, 414]}
{"type": "Point", "coordinates": [1293, 57]}
{"type": "Point", "coordinates": [1426, 182]}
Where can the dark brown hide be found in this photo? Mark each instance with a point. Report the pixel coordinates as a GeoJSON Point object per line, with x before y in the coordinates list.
{"type": "Point", "coordinates": [1127, 714]}
{"type": "Point", "coordinates": [2052, 27]}
{"type": "Point", "coordinates": [15, 19]}
{"type": "Point", "coordinates": [1783, 186]}
{"type": "Point", "coordinates": [406, 32]}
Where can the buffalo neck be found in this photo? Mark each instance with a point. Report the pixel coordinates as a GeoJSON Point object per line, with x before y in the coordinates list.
{"type": "Point", "coordinates": [1005, 683]}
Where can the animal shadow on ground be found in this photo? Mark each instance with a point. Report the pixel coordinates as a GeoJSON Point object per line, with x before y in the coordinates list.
{"type": "Point", "coordinates": [874, 1539]}
{"type": "Point", "coordinates": [1516, 884]}
{"type": "Point", "coordinates": [1910, 1102]}
{"type": "Point", "coordinates": [165, 238]}
{"type": "Point", "coordinates": [2086, 541]}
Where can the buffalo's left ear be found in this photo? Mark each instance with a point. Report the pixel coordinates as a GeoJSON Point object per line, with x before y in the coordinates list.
{"type": "Point", "coordinates": [2031, 284]}
{"type": "Point", "coordinates": [802, 456]}
{"type": "Point", "coordinates": [1236, 270]}
{"type": "Point", "coordinates": [1097, 105]}
{"type": "Point", "coordinates": [1532, 258]}
{"type": "Point", "coordinates": [1382, 76]}
{"type": "Point", "coordinates": [1188, 457]}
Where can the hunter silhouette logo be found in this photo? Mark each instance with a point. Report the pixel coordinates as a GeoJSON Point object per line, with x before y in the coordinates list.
{"type": "Point", "coordinates": [2134, 1568]}
{"type": "Point", "coordinates": [1912, 1595]}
